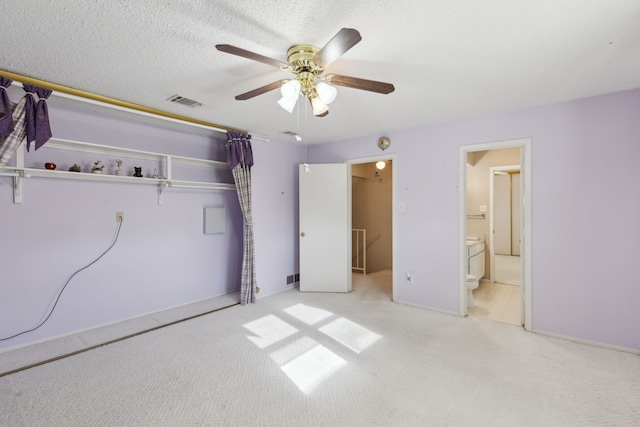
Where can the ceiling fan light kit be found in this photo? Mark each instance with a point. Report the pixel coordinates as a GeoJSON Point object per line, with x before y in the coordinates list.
{"type": "Point", "coordinates": [308, 62]}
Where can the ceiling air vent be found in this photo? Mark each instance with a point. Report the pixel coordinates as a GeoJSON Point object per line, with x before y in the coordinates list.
{"type": "Point", "coordinates": [185, 101]}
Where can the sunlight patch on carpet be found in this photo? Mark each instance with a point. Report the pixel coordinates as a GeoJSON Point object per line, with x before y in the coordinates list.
{"type": "Point", "coordinates": [307, 314]}
{"type": "Point", "coordinates": [269, 330]}
{"type": "Point", "coordinates": [311, 368]}
{"type": "Point", "coordinates": [350, 334]}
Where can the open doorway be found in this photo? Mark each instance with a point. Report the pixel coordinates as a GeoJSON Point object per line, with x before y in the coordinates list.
{"type": "Point", "coordinates": [372, 204]}
{"type": "Point", "coordinates": [504, 220]}
{"type": "Point", "coordinates": [481, 217]}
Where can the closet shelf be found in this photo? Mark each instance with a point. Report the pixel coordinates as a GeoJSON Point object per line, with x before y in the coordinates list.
{"type": "Point", "coordinates": [19, 171]}
{"type": "Point", "coordinates": [66, 144]}
{"type": "Point", "coordinates": [44, 173]}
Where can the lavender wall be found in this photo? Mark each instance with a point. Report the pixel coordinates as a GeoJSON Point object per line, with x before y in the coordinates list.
{"type": "Point", "coordinates": [585, 208]}
{"type": "Point", "coordinates": [275, 213]}
{"type": "Point", "coordinates": [161, 259]}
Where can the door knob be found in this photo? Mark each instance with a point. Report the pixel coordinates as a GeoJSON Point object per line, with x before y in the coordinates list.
{"type": "Point", "coordinates": [302, 234]}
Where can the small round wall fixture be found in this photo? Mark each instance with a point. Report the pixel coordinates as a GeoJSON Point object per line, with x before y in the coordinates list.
{"type": "Point", "coordinates": [384, 143]}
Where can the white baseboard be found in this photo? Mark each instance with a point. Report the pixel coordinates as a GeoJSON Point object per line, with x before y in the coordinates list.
{"type": "Point", "coordinates": [286, 288]}
{"type": "Point", "coordinates": [102, 325]}
{"type": "Point", "coordinates": [549, 334]}
{"type": "Point", "coordinates": [587, 342]}
{"type": "Point", "coordinates": [437, 310]}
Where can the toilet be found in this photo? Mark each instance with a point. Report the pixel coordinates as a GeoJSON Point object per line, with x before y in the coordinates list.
{"type": "Point", "coordinates": [472, 283]}
{"type": "Point", "coordinates": [475, 266]}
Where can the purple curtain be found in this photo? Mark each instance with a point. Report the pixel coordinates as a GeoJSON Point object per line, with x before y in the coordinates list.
{"type": "Point", "coordinates": [239, 150]}
{"type": "Point", "coordinates": [240, 160]}
{"type": "Point", "coordinates": [6, 117]}
{"type": "Point", "coordinates": [38, 127]}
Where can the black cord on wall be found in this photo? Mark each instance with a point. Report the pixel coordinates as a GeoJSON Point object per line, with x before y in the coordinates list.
{"type": "Point", "coordinates": [65, 285]}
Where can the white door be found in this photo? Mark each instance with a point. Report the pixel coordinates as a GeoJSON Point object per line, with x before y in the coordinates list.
{"type": "Point", "coordinates": [502, 214]}
{"type": "Point", "coordinates": [325, 228]}
{"type": "Point", "coordinates": [515, 214]}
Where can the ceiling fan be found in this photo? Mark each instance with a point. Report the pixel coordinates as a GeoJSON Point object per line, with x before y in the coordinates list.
{"type": "Point", "coordinates": [308, 63]}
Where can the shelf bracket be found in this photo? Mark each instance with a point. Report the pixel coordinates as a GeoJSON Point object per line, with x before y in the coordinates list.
{"type": "Point", "coordinates": [161, 186]}
{"type": "Point", "coordinates": [17, 186]}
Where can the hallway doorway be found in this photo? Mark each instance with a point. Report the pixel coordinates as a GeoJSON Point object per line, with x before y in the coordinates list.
{"type": "Point", "coordinates": [372, 218]}
{"type": "Point", "coordinates": [504, 217]}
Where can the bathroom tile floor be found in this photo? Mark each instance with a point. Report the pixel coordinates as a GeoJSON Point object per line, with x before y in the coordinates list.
{"type": "Point", "coordinates": [507, 269]}
{"type": "Point", "coordinates": [497, 301]}
{"type": "Point", "coordinates": [500, 300]}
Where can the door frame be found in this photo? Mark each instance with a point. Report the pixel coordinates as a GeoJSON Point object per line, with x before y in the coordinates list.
{"type": "Point", "coordinates": [525, 226]}
{"type": "Point", "coordinates": [374, 159]}
{"type": "Point", "coordinates": [492, 250]}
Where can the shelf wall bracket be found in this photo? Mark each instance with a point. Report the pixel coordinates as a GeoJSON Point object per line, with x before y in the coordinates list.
{"type": "Point", "coordinates": [17, 186]}
{"type": "Point", "coordinates": [17, 180]}
{"type": "Point", "coordinates": [161, 187]}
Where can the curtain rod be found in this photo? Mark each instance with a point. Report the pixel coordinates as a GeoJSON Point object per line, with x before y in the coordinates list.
{"type": "Point", "coordinates": [77, 93]}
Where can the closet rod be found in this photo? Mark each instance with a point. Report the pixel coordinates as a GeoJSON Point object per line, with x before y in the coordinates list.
{"type": "Point", "coordinates": [111, 102]}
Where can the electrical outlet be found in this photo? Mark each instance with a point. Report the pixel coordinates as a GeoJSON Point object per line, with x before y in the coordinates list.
{"type": "Point", "coordinates": [119, 216]}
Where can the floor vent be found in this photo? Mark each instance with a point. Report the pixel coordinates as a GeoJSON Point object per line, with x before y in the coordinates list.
{"type": "Point", "coordinates": [294, 278]}
{"type": "Point", "coordinates": [184, 101]}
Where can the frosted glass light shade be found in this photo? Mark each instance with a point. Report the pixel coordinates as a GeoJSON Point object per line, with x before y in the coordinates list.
{"type": "Point", "coordinates": [326, 92]}
{"type": "Point", "coordinates": [380, 164]}
{"type": "Point", "coordinates": [319, 107]}
{"type": "Point", "coordinates": [290, 89]}
{"type": "Point", "coordinates": [288, 103]}
{"type": "Point", "coordinates": [290, 92]}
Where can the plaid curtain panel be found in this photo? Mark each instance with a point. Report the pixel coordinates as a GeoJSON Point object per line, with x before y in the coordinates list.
{"type": "Point", "coordinates": [242, 177]}
{"type": "Point", "coordinates": [10, 144]}
{"type": "Point", "coordinates": [240, 160]}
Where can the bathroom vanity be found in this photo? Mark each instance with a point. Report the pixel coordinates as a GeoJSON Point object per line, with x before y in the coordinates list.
{"type": "Point", "coordinates": [475, 257]}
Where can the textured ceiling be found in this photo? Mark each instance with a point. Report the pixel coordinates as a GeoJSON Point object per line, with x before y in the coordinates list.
{"type": "Point", "coordinates": [448, 59]}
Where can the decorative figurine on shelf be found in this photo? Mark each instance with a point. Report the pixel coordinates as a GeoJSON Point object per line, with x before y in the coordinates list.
{"type": "Point", "coordinates": [75, 168]}
{"type": "Point", "coordinates": [97, 167]}
{"type": "Point", "coordinates": [119, 169]}
{"type": "Point", "coordinates": [155, 174]}
{"type": "Point", "coordinates": [50, 166]}
{"type": "Point", "coordinates": [138, 171]}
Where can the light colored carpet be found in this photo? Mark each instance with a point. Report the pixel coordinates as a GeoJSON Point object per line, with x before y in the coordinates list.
{"type": "Point", "coordinates": [41, 352]}
{"type": "Point", "coordinates": [307, 359]}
